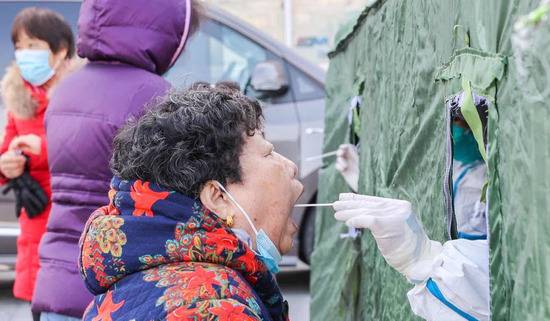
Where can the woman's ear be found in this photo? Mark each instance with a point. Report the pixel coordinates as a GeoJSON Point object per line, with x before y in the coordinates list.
{"type": "Point", "coordinates": [59, 57]}
{"type": "Point", "coordinates": [215, 200]}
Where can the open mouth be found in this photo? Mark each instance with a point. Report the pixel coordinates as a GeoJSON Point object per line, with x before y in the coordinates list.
{"type": "Point", "coordinates": [294, 225]}
{"type": "Point", "coordinates": [301, 188]}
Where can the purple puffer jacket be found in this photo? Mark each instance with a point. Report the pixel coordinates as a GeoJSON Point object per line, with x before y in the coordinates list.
{"type": "Point", "coordinates": [129, 44]}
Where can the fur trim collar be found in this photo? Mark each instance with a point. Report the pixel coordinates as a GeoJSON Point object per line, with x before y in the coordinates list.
{"type": "Point", "coordinates": [17, 99]}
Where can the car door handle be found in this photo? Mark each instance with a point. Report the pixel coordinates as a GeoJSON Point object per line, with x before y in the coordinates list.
{"type": "Point", "coordinates": [314, 130]}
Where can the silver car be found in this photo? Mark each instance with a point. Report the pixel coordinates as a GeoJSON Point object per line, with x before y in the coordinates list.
{"type": "Point", "coordinates": [225, 48]}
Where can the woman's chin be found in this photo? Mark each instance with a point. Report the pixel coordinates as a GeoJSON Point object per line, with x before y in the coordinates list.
{"type": "Point", "coordinates": [286, 249]}
{"type": "Point", "coordinates": [288, 242]}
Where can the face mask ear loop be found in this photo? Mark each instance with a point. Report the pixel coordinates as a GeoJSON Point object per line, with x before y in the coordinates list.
{"type": "Point", "coordinates": [239, 206]}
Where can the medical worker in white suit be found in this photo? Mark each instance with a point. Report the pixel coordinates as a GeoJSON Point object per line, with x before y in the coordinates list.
{"type": "Point", "coordinates": [450, 280]}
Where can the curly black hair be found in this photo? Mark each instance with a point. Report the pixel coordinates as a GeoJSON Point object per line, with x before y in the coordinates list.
{"type": "Point", "coordinates": [190, 137]}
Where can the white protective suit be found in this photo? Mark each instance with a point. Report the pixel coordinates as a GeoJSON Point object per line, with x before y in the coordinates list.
{"type": "Point", "coordinates": [468, 180]}
{"type": "Point", "coordinates": [451, 280]}
{"type": "Point", "coordinates": [458, 284]}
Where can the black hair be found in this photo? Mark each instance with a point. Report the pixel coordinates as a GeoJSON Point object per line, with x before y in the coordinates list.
{"type": "Point", "coordinates": [190, 137]}
{"type": "Point", "coordinates": [482, 106]}
{"type": "Point", "coordinates": [46, 25]}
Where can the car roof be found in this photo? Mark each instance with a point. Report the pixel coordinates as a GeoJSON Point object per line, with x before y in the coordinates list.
{"type": "Point", "coordinates": [249, 31]}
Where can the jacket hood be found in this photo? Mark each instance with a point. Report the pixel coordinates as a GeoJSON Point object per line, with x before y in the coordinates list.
{"type": "Point", "coordinates": [143, 33]}
{"type": "Point", "coordinates": [146, 226]}
{"type": "Point", "coordinates": [17, 97]}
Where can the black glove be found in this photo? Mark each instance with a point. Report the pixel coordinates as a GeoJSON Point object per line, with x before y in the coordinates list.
{"type": "Point", "coordinates": [28, 194]}
{"type": "Point", "coordinates": [13, 185]}
{"type": "Point", "coordinates": [33, 197]}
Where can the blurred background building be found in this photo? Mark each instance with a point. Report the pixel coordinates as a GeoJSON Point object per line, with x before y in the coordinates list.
{"type": "Point", "coordinates": [308, 26]}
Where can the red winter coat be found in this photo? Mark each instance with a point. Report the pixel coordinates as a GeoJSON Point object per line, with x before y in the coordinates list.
{"type": "Point", "coordinates": [26, 107]}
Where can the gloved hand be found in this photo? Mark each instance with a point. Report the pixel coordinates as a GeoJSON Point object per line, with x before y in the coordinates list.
{"type": "Point", "coordinates": [396, 229]}
{"type": "Point", "coordinates": [347, 163]}
{"type": "Point", "coordinates": [33, 197]}
{"type": "Point", "coordinates": [28, 194]}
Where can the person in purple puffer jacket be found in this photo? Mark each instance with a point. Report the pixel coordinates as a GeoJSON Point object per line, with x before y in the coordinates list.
{"type": "Point", "coordinates": [129, 45]}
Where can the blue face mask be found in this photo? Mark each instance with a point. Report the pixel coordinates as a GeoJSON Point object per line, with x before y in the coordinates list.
{"type": "Point", "coordinates": [465, 148]}
{"type": "Point", "coordinates": [34, 65]}
{"type": "Point", "coordinates": [267, 251]}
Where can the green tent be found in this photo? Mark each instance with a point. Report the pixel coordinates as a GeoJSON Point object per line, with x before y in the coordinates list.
{"type": "Point", "coordinates": [403, 59]}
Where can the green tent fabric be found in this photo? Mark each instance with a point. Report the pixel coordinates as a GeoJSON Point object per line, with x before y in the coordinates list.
{"type": "Point", "coordinates": [520, 244]}
{"type": "Point", "coordinates": [404, 58]}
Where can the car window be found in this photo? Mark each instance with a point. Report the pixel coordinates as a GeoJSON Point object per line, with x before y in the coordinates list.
{"type": "Point", "coordinates": [217, 52]}
{"type": "Point", "coordinates": [305, 87]}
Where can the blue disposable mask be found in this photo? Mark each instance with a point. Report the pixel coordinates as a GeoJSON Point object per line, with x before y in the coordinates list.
{"type": "Point", "coordinates": [266, 250]}
{"type": "Point", "coordinates": [465, 147]}
{"type": "Point", "coordinates": [34, 65]}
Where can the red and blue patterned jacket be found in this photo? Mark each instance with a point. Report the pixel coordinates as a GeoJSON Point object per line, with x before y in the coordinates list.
{"type": "Point", "coordinates": [154, 254]}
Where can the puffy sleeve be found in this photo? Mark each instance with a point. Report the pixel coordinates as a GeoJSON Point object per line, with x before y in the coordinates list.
{"type": "Point", "coordinates": [10, 131]}
{"type": "Point", "coordinates": [458, 286]}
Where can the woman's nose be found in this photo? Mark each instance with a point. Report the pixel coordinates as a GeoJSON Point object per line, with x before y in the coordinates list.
{"type": "Point", "coordinates": [292, 168]}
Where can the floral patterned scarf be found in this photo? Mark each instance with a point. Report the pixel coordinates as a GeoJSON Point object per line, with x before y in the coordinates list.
{"type": "Point", "coordinates": [146, 228]}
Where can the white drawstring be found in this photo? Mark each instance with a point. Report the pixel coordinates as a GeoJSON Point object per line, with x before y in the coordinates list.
{"type": "Point", "coordinates": [185, 32]}
{"type": "Point", "coordinates": [239, 206]}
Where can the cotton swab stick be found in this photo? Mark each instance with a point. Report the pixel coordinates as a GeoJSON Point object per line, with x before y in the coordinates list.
{"type": "Point", "coordinates": [314, 205]}
{"type": "Point", "coordinates": [312, 158]}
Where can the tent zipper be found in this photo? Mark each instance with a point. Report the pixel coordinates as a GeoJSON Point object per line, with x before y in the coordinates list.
{"type": "Point", "coordinates": [448, 177]}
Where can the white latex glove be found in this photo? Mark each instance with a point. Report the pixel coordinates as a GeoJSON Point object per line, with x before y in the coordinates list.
{"type": "Point", "coordinates": [347, 163]}
{"type": "Point", "coordinates": [396, 229]}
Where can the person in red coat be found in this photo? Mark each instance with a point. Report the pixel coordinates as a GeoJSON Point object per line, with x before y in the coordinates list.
{"type": "Point", "coordinates": [44, 45]}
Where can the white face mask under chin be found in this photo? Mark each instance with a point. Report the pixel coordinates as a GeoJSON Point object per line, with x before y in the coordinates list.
{"type": "Point", "coordinates": [265, 249]}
